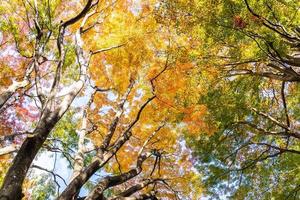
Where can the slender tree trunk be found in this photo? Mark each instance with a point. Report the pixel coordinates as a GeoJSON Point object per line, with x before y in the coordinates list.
{"type": "Point", "coordinates": [79, 158]}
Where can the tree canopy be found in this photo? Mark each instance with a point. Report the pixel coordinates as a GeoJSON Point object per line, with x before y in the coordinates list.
{"type": "Point", "coordinates": [254, 99]}
{"type": "Point", "coordinates": [128, 99]}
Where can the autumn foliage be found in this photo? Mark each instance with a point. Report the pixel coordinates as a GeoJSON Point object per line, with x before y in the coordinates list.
{"type": "Point", "coordinates": [126, 99]}
{"type": "Point", "coordinates": [101, 87]}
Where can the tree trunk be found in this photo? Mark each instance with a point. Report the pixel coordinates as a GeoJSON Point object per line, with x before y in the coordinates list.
{"type": "Point", "coordinates": [12, 185]}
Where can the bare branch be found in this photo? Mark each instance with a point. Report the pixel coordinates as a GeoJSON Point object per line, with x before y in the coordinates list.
{"type": "Point", "coordinates": [149, 138]}
{"type": "Point", "coordinates": [83, 12]}
{"type": "Point", "coordinates": [111, 181]}
{"type": "Point", "coordinates": [96, 164]}
{"type": "Point", "coordinates": [51, 172]}
{"type": "Point", "coordinates": [133, 189]}
{"type": "Point", "coordinates": [293, 133]}
{"type": "Point", "coordinates": [106, 49]}
{"type": "Point", "coordinates": [9, 149]}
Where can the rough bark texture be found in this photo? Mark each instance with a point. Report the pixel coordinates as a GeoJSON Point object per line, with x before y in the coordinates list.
{"type": "Point", "coordinates": [4, 97]}
{"type": "Point", "coordinates": [108, 182]}
{"type": "Point", "coordinates": [12, 185]}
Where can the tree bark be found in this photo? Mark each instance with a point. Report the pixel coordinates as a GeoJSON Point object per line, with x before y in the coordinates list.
{"type": "Point", "coordinates": [12, 185]}
{"type": "Point", "coordinates": [85, 174]}
{"type": "Point", "coordinates": [110, 181]}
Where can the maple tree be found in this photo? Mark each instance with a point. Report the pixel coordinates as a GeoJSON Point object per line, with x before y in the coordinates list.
{"type": "Point", "coordinates": [253, 47]}
{"type": "Point", "coordinates": [104, 86]}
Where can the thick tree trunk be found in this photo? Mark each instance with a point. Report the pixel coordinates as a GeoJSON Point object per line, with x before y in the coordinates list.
{"type": "Point", "coordinates": [12, 185]}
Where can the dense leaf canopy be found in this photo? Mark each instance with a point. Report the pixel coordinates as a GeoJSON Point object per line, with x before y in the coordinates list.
{"type": "Point", "coordinates": [129, 99]}
{"type": "Point", "coordinates": [253, 101]}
